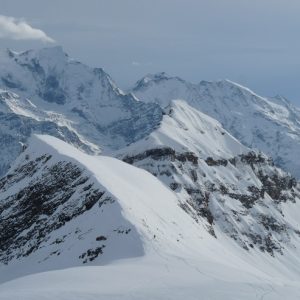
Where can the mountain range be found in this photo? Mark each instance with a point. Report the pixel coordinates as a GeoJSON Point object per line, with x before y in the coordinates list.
{"type": "Point", "coordinates": [192, 189]}
{"type": "Point", "coordinates": [267, 124]}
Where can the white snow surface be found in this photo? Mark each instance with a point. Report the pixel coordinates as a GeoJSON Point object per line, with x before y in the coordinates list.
{"type": "Point", "coordinates": [219, 195]}
{"type": "Point", "coordinates": [167, 254]}
{"type": "Point", "coordinates": [268, 124]}
{"type": "Point", "coordinates": [186, 129]}
{"type": "Point", "coordinates": [178, 258]}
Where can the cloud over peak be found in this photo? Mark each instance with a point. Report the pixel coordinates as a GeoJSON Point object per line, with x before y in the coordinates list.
{"type": "Point", "coordinates": [17, 29]}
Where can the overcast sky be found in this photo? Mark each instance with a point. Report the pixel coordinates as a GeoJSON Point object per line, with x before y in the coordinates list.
{"type": "Point", "coordinates": [253, 42]}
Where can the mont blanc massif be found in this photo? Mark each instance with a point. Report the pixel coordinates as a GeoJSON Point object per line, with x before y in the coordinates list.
{"type": "Point", "coordinates": [170, 190]}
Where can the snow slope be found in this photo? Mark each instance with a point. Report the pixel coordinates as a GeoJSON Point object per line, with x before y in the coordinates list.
{"type": "Point", "coordinates": [268, 124]}
{"type": "Point", "coordinates": [56, 200]}
{"type": "Point", "coordinates": [189, 212]}
{"type": "Point", "coordinates": [167, 278]}
{"type": "Point", "coordinates": [219, 182]}
{"type": "Point", "coordinates": [184, 128]}
{"type": "Point", "coordinates": [165, 255]}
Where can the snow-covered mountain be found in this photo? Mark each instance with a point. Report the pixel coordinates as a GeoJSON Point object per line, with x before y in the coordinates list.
{"type": "Point", "coordinates": [218, 180]}
{"type": "Point", "coordinates": [46, 86]}
{"type": "Point", "coordinates": [125, 234]}
{"type": "Point", "coordinates": [61, 207]}
{"type": "Point", "coordinates": [268, 124]}
{"type": "Point", "coordinates": [19, 118]}
{"type": "Point", "coordinates": [183, 206]}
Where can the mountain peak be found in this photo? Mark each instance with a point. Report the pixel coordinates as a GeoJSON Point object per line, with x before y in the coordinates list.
{"type": "Point", "coordinates": [258, 122]}
{"type": "Point", "coordinates": [155, 78]}
{"type": "Point", "coordinates": [51, 57]}
{"type": "Point", "coordinates": [47, 51]}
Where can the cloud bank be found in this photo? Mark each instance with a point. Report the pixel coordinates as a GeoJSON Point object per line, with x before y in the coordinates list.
{"type": "Point", "coordinates": [15, 29]}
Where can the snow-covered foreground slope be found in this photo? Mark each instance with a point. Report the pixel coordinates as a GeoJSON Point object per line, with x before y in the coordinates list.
{"type": "Point", "coordinates": [271, 125]}
{"type": "Point", "coordinates": [60, 207]}
{"type": "Point", "coordinates": [47, 92]}
{"type": "Point", "coordinates": [118, 232]}
{"type": "Point", "coordinates": [162, 278]}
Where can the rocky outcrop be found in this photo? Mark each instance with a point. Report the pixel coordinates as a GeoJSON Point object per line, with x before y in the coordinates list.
{"type": "Point", "coordinates": [30, 215]}
{"type": "Point", "coordinates": [252, 184]}
{"type": "Point", "coordinates": [161, 154]}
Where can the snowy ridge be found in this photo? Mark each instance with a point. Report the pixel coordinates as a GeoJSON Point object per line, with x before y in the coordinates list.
{"type": "Point", "coordinates": [268, 124]}
{"type": "Point", "coordinates": [84, 215]}
{"type": "Point", "coordinates": [136, 219]}
{"type": "Point", "coordinates": [184, 206]}
{"type": "Point", "coordinates": [184, 128]}
{"type": "Point", "coordinates": [220, 183]}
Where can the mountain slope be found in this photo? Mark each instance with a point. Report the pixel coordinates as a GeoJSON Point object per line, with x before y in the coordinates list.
{"type": "Point", "coordinates": [189, 211]}
{"type": "Point", "coordinates": [60, 208]}
{"type": "Point", "coordinates": [219, 182]}
{"type": "Point", "coordinates": [186, 129]}
{"type": "Point", "coordinates": [263, 123]}
{"type": "Point", "coordinates": [102, 210]}
{"type": "Point", "coordinates": [46, 86]}
{"type": "Point", "coordinates": [167, 278]}
{"type": "Point", "coordinates": [19, 118]}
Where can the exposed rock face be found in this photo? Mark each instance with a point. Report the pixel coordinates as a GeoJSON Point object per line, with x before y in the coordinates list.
{"type": "Point", "coordinates": [241, 196]}
{"type": "Point", "coordinates": [229, 188]}
{"type": "Point", "coordinates": [163, 153]}
{"type": "Point", "coordinates": [46, 204]}
{"type": "Point", "coordinates": [52, 91]}
{"type": "Point", "coordinates": [29, 216]}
